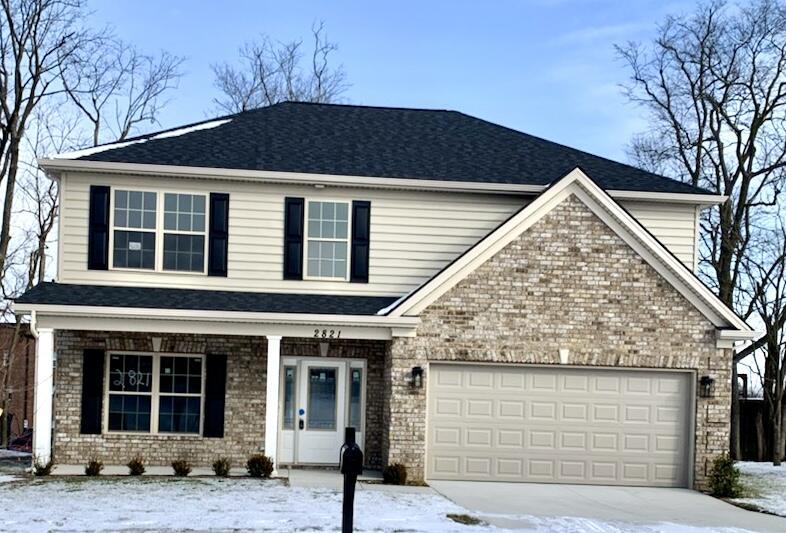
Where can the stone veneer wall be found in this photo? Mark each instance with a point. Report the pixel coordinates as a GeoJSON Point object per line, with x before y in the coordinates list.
{"type": "Point", "coordinates": [244, 416]}
{"type": "Point", "coordinates": [566, 282]}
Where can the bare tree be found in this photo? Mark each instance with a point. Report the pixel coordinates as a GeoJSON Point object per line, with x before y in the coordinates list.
{"type": "Point", "coordinates": [765, 270]}
{"type": "Point", "coordinates": [117, 87]}
{"type": "Point", "coordinates": [714, 86]}
{"type": "Point", "coordinates": [36, 36]}
{"type": "Point", "coordinates": [271, 72]}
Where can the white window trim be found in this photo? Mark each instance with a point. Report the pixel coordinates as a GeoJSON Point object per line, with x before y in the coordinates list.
{"type": "Point", "coordinates": [155, 394]}
{"type": "Point", "coordinates": [159, 231]}
{"type": "Point", "coordinates": [348, 239]}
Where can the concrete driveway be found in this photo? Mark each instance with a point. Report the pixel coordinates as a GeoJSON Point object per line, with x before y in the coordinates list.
{"type": "Point", "coordinates": [518, 505]}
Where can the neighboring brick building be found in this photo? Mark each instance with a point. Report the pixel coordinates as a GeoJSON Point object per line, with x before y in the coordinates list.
{"type": "Point", "coordinates": [478, 303]}
{"type": "Point", "coordinates": [20, 366]}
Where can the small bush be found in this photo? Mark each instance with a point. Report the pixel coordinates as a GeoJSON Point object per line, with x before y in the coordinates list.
{"type": "Point", "coordinates": [725, 478]}
{"type": "Point", "coordinates": [221, 467]}
{"type": "Point", "coordinates": [259, 466]}
{"type": "Point", "coordinates": [136, 466]}
{"type": "Point", "coordinates": [395, 474]}
{"type": "Point", "coordinates": [181, 467]}
{"type": "Point", "coordinates": [94, 467]}
{"type": "Point", "coordinates": [42, 469]}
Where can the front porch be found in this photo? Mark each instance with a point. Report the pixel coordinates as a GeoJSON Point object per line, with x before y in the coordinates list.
{"type": "Point", "coordinates": [287, 397]}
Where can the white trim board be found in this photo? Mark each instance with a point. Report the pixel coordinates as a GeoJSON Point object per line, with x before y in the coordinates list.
{"type": "Point", "coordinates": [56, 167]}
{"type": "Point", "coordinates": [578, 184]}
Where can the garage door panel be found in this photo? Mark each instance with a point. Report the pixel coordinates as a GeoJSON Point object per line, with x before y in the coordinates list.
{"type": "Point", "coordinates": [566, 425]}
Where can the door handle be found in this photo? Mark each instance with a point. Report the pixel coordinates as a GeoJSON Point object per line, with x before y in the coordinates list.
{"type": "Point", "coordinates": [300, 424]}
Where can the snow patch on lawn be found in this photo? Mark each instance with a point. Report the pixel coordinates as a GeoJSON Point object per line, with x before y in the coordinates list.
{"type": "Point", "coordinates": [6, 478]}
{"type": "Point", "coordinates": [212, 504]}
{"type": "Point", "coordinates": [165, 135]}
{"type": "Point", "coordinates": [768, 482]}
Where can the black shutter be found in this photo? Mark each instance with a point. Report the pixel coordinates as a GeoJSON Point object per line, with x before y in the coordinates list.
{"type": "Point", "coordinates": [215, 391]}
{"type": "Point", "coordinates": [218, 237]}
{"type": "Point", "coordinates": [293, 238]}
{"type": "Point", "coordinates": [361, 233]}
{"type": "Point", "coordinates": [92, 391]}
{"type": "Point", "coordinates": [98, 232]}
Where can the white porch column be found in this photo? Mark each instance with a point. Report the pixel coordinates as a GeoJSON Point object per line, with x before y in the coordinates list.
{"type": "Point", "coordinates": [44, 369]}
{"type": "Point", "coordinates": [271, 397]}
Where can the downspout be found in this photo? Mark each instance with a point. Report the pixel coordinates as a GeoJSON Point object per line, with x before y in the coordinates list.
{"type": "Point", "coordinates": [33, 329]}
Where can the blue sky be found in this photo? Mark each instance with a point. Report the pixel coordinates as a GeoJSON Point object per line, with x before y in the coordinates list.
{"type": "Point", "coordinates": [546, 67]}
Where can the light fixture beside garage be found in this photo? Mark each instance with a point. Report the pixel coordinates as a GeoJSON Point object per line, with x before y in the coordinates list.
{"type": "Point", "coordinates": [706, 387]}
{"type": "Point", "coordinates": [416, 377]}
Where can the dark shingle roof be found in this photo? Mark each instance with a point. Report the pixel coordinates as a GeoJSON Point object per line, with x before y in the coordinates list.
{"type": "Point", "coordinates": [192, 299]}
{"type": "Point", "coordinates": [382, 142]}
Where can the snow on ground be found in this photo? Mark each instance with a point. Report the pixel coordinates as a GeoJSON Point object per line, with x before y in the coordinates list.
{"type": "Point", "coordinates": [201, 504]}
{"type": "Point", "coordinates": [767, 484]}
{"type": "Point", "coordinates": [211, 504]}
{"type": "Point", "coordinates": [12, 454]}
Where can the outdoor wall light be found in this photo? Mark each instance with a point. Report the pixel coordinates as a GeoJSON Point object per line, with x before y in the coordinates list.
{"type": "Point", "coordinates": [706, 387]}
{"type": "Point", "coordinates": [416, 377]}
{"type": "Point", "coordinates": [323, 349]}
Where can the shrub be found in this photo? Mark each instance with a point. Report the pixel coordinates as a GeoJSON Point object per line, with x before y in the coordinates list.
{"type": "Point", "coordinates": [42, 469]}
{"type": "Point", "coordinates": [725, 478]}
{"type": "Point", "coordinates": [395, 474]}
{"type": "Point", "coordinates": [181, 467]}
{"type": "Point", "coordinates": [94, 467]}
{"type": "Point", "coordinates": [259, 465]}
{"type": "Point", "coordinates": [221, 467]}
{"type": "Point", "coordinates": [136, 466]}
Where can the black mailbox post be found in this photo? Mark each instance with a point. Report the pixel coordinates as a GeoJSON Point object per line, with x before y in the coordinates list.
{"type": "Point", "coordinates": [351, 465]}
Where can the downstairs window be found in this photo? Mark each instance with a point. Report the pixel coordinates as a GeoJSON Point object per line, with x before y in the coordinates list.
{"type": "Point", "coordinates": [151, 393]}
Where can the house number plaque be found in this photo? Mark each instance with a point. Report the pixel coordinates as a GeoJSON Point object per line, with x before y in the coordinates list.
{"type": "Point", "coordinates": [327, 333]}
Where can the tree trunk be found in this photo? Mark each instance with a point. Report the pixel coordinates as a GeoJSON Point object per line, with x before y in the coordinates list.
{"type": "Point", "coordinates": [8, 203]}
{"type": "Point", "coordinates": [761, 436]}
{"type": "Point", "coordinates": [777, 435]}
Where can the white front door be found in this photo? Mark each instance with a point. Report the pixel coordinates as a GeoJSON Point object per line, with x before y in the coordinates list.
{"type": "Point", "coordinates": [319, 398]}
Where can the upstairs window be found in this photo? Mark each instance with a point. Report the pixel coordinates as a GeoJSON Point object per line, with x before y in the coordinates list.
{"type": "Point", "coordinates": [184, 232]}
{"type": "Point", "coordinates": [154, 231]}
{"type": "Point", "coordinates": [134, 237]}
{"type": "Point", "coordinates": [327, 240]}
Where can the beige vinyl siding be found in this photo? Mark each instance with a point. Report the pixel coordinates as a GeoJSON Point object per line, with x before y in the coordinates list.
{"type": "Point", "coordinates": [413, 234]}
{"type": "Point", "coordinates": [674, 225]}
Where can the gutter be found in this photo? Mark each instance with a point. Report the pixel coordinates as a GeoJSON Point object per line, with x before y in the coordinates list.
{"type": "Point", "coordinates": [214, 316]}
{"type": "Point", "coordinates": [54, 167]}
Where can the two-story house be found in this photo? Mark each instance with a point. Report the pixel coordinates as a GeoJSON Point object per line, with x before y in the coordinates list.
{"type": "Point", "coordinates": [479, 303]}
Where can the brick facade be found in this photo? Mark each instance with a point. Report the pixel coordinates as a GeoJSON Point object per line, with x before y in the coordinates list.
{"type": "Point", "coordinates": [566, 282]}
{"type": "Point", "coordinates": [244, 416]}
{"type": "Point", "coordinates": [17, 369]}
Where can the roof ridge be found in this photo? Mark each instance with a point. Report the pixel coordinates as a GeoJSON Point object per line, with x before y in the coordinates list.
{"type": "Point", "coordinates": [364, 106]}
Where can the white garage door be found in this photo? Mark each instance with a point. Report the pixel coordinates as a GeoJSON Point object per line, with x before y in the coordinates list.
{"type": "Point", "coordinates": [559, 425]}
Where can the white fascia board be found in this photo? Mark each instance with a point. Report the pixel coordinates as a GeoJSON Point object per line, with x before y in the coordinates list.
{"type": "Point", "coordinates": [56, 166]}
{"type": "Point", "coordinates": [611, 213]}
{"type": "Point", "coordinates": [216, 316]}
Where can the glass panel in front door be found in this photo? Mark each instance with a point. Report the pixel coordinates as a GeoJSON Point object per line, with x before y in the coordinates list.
{"type": "Point", "coordinates": [290, 373]}
{"type": "Point", "coordinates": [355, 386]}
{"type": "Point", "coordinates": [321, 413]}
